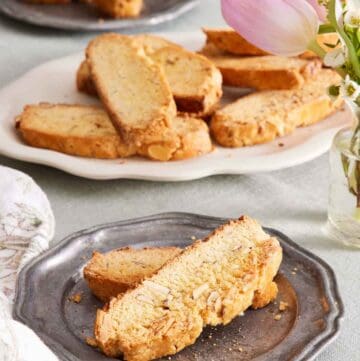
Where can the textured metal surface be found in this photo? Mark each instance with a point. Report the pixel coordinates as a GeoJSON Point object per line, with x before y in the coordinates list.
{"type": "Point", "coordinates": [79, 16]}
{"type": "Point", "coordinates": [306, 283]}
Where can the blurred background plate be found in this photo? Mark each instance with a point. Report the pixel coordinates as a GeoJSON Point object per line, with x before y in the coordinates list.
{"type": "Point", "coordinates": [79, 16]}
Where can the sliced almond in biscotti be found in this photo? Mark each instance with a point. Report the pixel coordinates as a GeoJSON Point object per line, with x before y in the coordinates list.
{"type": "Point", "coordinates": [112, 273]}
{"type": "Point", "coordinates": [262, 72]}
{"type": "Point", "coordinates": [230, 41]}
{"type": "Point", "coordinates": [84, 131]}
{"type": "Point", "coordinates": [87, 131]}
{"type": "Point", "coordinates": [119, 8]}
{"type": "Point", "coordinates": [263, 116]}
{"type": "Point", "coordinates": [133, 90]}
{"type": "Point", "coordinates": [210, 282]}
{"type": "Point", "coordinates": [116, 271]}
{"type": "Point", "coordinates": [195, 82]}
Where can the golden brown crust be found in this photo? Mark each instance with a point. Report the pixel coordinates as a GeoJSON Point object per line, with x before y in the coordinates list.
{"type": "Point", "coordinates": [263, 297]}
{"type": "Point", "coordinates": [84, 82]}
{"type": "Point", "coordinates": [138, 324]}
{"type": "Point", "coordinates": [134, 92]}
{"type": "Point", "coordinates": [119, 8]}
{"type": "Point", "coordinates": [261, 117]}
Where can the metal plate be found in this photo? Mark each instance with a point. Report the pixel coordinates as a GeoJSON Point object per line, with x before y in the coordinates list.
{"type": "Point", "coordinates": [79, 16]}
{"type": "Point", "coordinates": [305, 282]}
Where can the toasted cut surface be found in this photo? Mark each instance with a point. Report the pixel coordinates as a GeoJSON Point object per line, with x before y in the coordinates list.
{"type": "Point", "coordinates": [210, 282]}
{"type": "Point", "coordinates": [133, 90]}
{"type": "Point", "coordinates": [263, 116]}
{"type": "Point", "coordinates": [195, 82]}
{"type": "Point", "coordinates": [119, 8]}
{"type": "Point", "coordinates": [262, 72]}
{"type": "Point", "coordinates": [115, 272]}
{"type": "Point", "coordinates": [72, 129]}
{"type": "Point", "coordinates": [229, 40]}
{"type": "Point", "coordinates": [88, 132]}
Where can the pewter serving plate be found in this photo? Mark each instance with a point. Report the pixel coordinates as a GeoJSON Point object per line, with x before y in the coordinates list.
{"type": "Point", "coordinates": [79, 16]}
{"type": "Point", "coordinates": [306, 283]}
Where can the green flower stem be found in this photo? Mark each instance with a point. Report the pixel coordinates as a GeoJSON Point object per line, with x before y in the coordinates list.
{"type": "Point", "coordinates": [352, 52]}
{"type": "Point", "coordinates": [317, 49]}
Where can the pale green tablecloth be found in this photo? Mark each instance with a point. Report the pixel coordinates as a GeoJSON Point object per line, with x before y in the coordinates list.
{"type": "Point", "coordinates": [293, 200]}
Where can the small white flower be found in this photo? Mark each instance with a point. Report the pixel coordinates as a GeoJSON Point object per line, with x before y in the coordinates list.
{"type": "Point", "coordinates": [335, 58]}
{"type": "Point", "coordinates": [352, 5]}
{"type": "Point", "coordinates": [352, 17]}
{"type": "Point", "coordinates": [350, 89]}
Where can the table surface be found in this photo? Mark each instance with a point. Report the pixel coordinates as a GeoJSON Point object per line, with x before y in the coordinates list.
{"type": "Point", "coordinates": [293, 200]}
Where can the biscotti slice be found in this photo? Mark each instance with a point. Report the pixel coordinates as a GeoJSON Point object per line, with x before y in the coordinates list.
{"type": "Point", "coordinates": [210, 282]}
{"type": "Point", "coordinates": [263, 72]}
{"type": "Point", "coordinates": [88, 132]}
{"type": "Point", "coordinates": [119, 8]}
{"type": "Point", "coordinates": [263, 116]}
{"type": "Point", "coordinates": [195, 82]}
{"type": "Point", "coordinates": [230, 41]}
{"type": "Point", "coordinates": [134, 91]}
{"type": "Point", "coordinates": [84, 131]}
{"type": "Point", "coordinates": [115, 272]}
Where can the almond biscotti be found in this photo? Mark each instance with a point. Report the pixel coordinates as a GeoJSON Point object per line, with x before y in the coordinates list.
{"type": "Point", "coordinates": [87, 131]}
{"type": "Point", "coordinates": [228, 40]}
{"type": "Point", "coordinates": [209, 283]}
{"type": "Point", "coordinates": [117, 271]}
{"type": "Point", "coordinates": [263, 116]}
{"type": "Point", "coordinates": [263, 72]}
{"type": "Point", "coordinates": [195, 82]}
{"type": "Point", "coordinates": [119, 8]}
{"type": "Point", "coordinates": [134, 92]}
{"type": "Point", "coordinates": [79, 130]}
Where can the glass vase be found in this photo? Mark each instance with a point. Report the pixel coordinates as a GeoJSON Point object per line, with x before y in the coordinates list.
{"type": "Point", "coordinates": [344, 196]}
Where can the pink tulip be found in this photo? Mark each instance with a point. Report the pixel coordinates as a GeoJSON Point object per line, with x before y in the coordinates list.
{"type": "Point", "coordinates": [282, 27]}
{"type": "Point", "coordinates": [320, 9]}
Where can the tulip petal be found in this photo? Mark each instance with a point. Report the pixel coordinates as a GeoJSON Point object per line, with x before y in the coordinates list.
{"type": "Point", "coordinates": [320, 9]}
{"type": "Point", "coordinates": [283, 27]}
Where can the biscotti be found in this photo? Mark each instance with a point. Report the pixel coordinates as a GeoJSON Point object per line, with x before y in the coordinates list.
{"type": "Point", "coordinates": [195, 82]}
{"type": "Point", "coordinates": [263, 72]}
{"type": "Point", "coordinates": [119, 8]}
{"type": "Point", "coordinates": [134, 92]}
{"type": "Point", "coordinates": [79, 130]}
{"type": "Point", "coordinates": [209, 283]}
{"type": "Point", "coordinates": [88, 132]}
{"type": "Point", "coordinates": [114, 272]}
{"type": "Point", "coordinates": [230, 41]}
{"type": "Point", "coordinates": [263, 116]}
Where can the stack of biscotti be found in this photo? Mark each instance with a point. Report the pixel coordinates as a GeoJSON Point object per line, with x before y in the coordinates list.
{"type": "Point", "coordinates": [139, 115]}
{"type": "Point", "coordinates": [244, 65]}
{"type": "Point", "coordinates": [110, 274]}
{"type": "Point", "coordinates": [111, 8]}
{"type": "Point", "coordinates": [195, 82]}
{"type": "Point", "coordinates": [209, 283]}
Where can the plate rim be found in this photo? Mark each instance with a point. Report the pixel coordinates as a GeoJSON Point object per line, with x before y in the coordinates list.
{"type": "Point", "coordinates": [310, 351]}
{"type": "Point", "coordinates": [117, 24]}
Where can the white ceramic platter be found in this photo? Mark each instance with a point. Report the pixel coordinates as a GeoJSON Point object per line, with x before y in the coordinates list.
{"type": "Point", "coordinates": [55, 82]}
